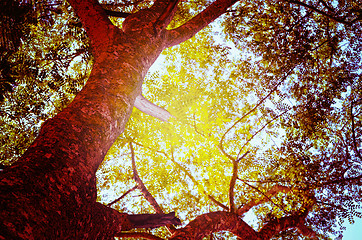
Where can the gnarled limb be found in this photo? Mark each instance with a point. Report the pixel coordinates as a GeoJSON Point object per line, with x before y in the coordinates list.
{"type": "Point", "coordinates": [95, 21]}
{"type": "Point", "coordinates": [296, 220]}
{"type": "Point", "coordinates": [284, 223]}
{"type": "Point", "coordinates": [165, 18]}
{"type": "Point", "coordinates": [208, 223]}
{"type": "Point", "coordinates": [153, 220]}
{"type": "Point", "coordinates": [201, 20]}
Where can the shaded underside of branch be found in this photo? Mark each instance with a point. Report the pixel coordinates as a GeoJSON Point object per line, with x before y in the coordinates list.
{"type": "Point", "coordinates": [206, 224]}
{"type": "Point", "coordinates": [284, 223]}
{"type": "Point", "coordinates": [138, 235]}
{"type": "Point", "coordinates": [116, 14]}
{"type": "Point", "coordinates": [209, 223]}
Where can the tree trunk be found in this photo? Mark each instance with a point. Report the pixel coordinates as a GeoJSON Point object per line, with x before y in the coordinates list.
{"type": "Point", "coordinates": [50, 192]}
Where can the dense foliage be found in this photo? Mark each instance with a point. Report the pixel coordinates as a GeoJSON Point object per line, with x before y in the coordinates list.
{"type": "Point", "coordinates": [271, 90]}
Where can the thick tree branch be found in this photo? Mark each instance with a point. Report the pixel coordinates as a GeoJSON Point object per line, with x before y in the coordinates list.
{"type": "Point", "coordinates": [165, 18]}
{"type": "Point", "coordinates": [209, 223]}
{"type": "Point", "coordinates": [284, 223]}
{"type": "Point", "coordinates": [138, 235]}
{"type": "Point", "coordinates": [153, 220]}
{"type": "Point", "coordinates": [206, 224]}
{"type": "Point", "coordinates": [232, 185]}
{"type": "Point", "coordinates": [201, 20]}
{"type": "Point", "coordinates": [110, 218]}
{"type": "Point", "coordinates": [296, 220]}
{"type": "Point", "coordinates": [95, 22]}
{"type": "Point", "coordinates": [233, 181]}
{"type": "Point", "coordinates": [154, 18]}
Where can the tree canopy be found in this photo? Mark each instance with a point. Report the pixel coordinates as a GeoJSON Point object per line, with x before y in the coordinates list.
{"type": "Point", "coordinates": [266, 105]}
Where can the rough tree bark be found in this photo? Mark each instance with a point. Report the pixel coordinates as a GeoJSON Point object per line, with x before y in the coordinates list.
{"type": "Point", "coordinates": [50, 192]}
{"type": "Point", "coordinates": [206, 224]}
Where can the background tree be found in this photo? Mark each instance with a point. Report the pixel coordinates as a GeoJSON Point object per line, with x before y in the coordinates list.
{"type": "Point", "coordinates": [266, 104]}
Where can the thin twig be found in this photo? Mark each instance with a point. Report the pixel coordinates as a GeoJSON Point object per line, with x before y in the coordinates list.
{"type": "Point", "coordinates": [146, 194]}
{"type": "Point", "coordinates": [339, 20]}
{"type": "Point", "coordinates": [218, 203]}
{"type": "Point", "coordinates": [123, 195]}
{"type": "Point", "coordinates": [260, 131]}
{"type": "Point", "coordinates": [195, 182]}
{"type": "Point", "coordinates": [332, 205]}
{"type": "Point", "coordinates": [341, 181]}
{"type": "Point", "coordinates": [247, 114]}
{"type": "Point", "coordinates": [273, 191]}
{"type": "Point", "coordinates": [154, 150]}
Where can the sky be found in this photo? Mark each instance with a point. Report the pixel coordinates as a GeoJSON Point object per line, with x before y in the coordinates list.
{"type": "Point", "coordinates": [354, 231]}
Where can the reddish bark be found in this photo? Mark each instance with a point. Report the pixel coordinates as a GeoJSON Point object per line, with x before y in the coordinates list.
{"type": "Point", "coordinates": [208, 223]}
{"type": "Point", "coordinates": [50, 192]}
{"type": "Point", "coordinates": [187, 30]}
